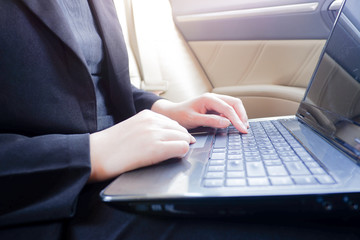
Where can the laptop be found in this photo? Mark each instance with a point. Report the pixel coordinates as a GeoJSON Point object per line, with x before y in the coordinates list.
{"type": "Point", "coordinates": [294, 164]}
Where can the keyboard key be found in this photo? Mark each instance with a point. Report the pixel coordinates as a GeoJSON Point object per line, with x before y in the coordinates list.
{"type": "Point", "coordinates": [251, 154]}
{"type": "Point", "coordinates": [312, 164]}
{"type": "Point", "coordinates": [286, 153]}
{"type": "Point", "coordinates": [215, 175]}
{"type": "Point", "coordinates": [236, 174]}
{"type": "Point", "coordinates": [279, 181]}
{"type": "Point", "coordinates": [301, 151]}
{"type": "Point", "coordinates": [307, 158]}
{"type": "Point", "coordinates": [213, 183]}
{"type": "Point", "coordinates": [220, 141]}
{"type": "Point", "coordinates": [216, 162]}
{"type": "Point", "coordinates": [232, 139]}
{"type": "Point", "coordinates": [270, 157]}
{"type": "Point", "coordinates": [222, 131]}
{"type": "Point", "coordinates": [317, 171]}
{"type": "Point", "coordinates": [216, 168]}
{"type": "Point", "coordinates": [325, 179]}
{"type": "Point", "coordinates": [264, 147]}
{"type": "Point", "coordinates": [304, 155]}
{"type": "Point", "coordinates": [297, 168]}
{"type": "Point", "coordinates": [251, 149]}
{"type": "Point", "coordinates": [253, 158]}
{"type": "Point", "coordinates": [235, 165]}
{"type": "Point", "coordinates": [294, 144]}
{"type": "Point", "coordinates": [237, 147]}
{"type": "Point", "coordinates": [304, 180]}
{"type": "Point", "coordinates": [240, 182]}
{"type": "Point", "coordinates": [235, 144]}
{"type": "Point", "coordinates": [235, 157]}
{"type": "Point", "coordinates": [277, 171]}
{"type": "Point", "coordinates": [234, 152]}
{"type": "Point", "coordinates": [255, 169]}
{"type": "Point", "coordinates": [272, 162]}
{"type": "Point", "coordinates": [290, 158]}
{"type": "Point", "coordinates": [268, 152]}
{"type": "Point", "coordinates": [280, 145]}
{"type": "Point", "coordinates": [219, 150]}
{"type": "Point", "coordinates": [263, 181]}
{"type": "Point", "coordinates": [217, 155]}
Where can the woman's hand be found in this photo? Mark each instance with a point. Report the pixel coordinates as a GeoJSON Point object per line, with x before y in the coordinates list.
{"type": "Point", "coordinates": [144, 139]}
{"type": "Point", "coordinates": [211, 110]}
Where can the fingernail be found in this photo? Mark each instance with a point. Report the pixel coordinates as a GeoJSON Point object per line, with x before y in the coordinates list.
{"type": "Point", "coordinates": [243, 127]}
{"type": "Point", "coordinates": [193, 140]}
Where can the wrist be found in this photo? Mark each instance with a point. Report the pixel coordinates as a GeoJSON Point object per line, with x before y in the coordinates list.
{"type": "Point", "coordinates": [97, 170]}
{"type": "Point", "coordinates": [163, 106]}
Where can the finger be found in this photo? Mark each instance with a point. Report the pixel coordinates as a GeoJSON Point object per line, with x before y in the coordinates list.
{"type": "Point", "coordinates": [222, 107]}
{"type": "Point", "coordinates": [238, 107]}
{"type": "Point", "coordinates": [177, 127]}
{"type": "Point", "coordinates": [211, 120]}
{"type": "Point", "coordinates": [172, 149]}
{"type": "Point", "coordinates": [164, 150]}
{"type": "Point", "coordinates": [167, 150]}
{"type": "Point", "coordinates": [165, 122]}
{"type": "Point", "coordinates": [174, 135]}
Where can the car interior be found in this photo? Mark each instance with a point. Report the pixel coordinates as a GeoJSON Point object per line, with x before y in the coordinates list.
{"type": "Point", "coordinates": [261, 51]}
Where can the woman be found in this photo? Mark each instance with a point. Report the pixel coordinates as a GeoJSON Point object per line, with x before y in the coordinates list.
{"type": "Point", "coordinates": [70, 120]}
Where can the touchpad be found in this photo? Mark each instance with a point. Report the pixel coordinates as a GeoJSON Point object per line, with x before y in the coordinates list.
{"type": "Point", "coordinates": [200, 140]}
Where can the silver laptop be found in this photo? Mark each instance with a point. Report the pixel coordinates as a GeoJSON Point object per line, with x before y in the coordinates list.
{"type": "Point", "coordinates": [303, 163]}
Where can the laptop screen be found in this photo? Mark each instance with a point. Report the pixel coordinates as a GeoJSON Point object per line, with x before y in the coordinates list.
{"type": "Point", "coordinates": [331, 105]}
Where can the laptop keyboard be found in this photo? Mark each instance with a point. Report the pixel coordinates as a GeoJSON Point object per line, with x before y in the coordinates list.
{"type": "Point", "coordinates": [267, 155]}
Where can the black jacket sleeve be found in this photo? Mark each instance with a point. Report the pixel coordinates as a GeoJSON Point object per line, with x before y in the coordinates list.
{"type": "Point", "coordinates": [142, 99]}
{"type": "Point", "coordinates": [41, 177]}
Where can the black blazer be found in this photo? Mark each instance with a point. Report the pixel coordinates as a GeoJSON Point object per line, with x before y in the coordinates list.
{"type": "Point", "coordinates": [48, 106]}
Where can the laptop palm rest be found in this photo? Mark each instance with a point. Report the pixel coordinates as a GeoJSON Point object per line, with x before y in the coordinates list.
{"type": "Point", "coordinates": [172, 175]}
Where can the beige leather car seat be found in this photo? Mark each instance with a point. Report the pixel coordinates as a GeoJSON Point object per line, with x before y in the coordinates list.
{"type": "Point", "coordinates": [161, 61]}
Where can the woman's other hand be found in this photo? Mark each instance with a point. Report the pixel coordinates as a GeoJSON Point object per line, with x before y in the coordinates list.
{"type": "Point", "coordinates": [211, 110]}
{"type": "Point", "coordinates": [144, 139]}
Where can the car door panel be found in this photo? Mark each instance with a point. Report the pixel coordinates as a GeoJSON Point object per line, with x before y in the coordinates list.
{"type": "Point", "coordinates": [289, 21]}
{"type": "Point", "coordinates": [281, 62]}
